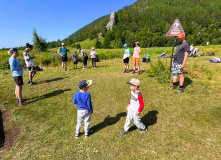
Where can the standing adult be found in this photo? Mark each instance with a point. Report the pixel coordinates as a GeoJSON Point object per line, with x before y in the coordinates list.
{"type": "Point", "coordinates": [93, 57]}
{"type": "Point", "coordinates": [85, 58]}
{"type": "Point", "coordinates": [62, 51]}
{"type": "Point", "coordinates": [127, 53]}
{"type": "Point", "coordinates": [136, 57]}
{"type": "Point", "coordinates": [178, 64]}
{"type": "Point", "coordinates": [29, 63]}
{"type": "Point", "coordinates": [17, 72]}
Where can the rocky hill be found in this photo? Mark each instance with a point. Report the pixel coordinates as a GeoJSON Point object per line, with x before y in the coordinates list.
{"type": "Point", "coordinates": [147, 21]}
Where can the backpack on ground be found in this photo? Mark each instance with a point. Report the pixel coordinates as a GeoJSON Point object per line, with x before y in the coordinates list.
{"type": "Point", "coordinates": [163, 55]}
{"type": "Point", "coordinates": [215, 60]}
{"type": "Point", "coordinates": [202, 54]}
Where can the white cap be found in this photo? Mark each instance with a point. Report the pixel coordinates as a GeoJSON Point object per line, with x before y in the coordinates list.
{"type": "Point", "coordinates": [62, 44]}
{"type": "Point", "coordinates": [134, 82]}
{"type": "Point", "coordinates": [92, 48]}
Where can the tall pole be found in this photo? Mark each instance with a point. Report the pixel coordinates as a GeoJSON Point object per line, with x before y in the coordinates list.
{"type": "Point", "coordinates": [172, 55]}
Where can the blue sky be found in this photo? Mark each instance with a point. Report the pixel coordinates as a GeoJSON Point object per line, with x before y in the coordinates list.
{"type": "Point", "coordinates": [52, 19]}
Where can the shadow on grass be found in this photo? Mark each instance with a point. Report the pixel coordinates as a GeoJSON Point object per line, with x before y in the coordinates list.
{"type": "Point", "coordinates": [148, 120]}
{"type": "Point", "coordinates": [187, 81]}
{"type": "Point", "coordinates": [2, 133]}
{"type": "Point", "coordinates": [48, 95]}
{"type": "Point", "coordinates": [107, 122]}
{"type": "Point", "coordinates": [52, 80]}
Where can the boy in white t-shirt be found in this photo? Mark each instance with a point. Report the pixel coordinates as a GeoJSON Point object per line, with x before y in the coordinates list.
{"type": "Point", "coordinates": [127, 53]}
{"type": "Point", "coordinates": [29, 63]}
{"type": "Point", "coordinates": [134, 108]}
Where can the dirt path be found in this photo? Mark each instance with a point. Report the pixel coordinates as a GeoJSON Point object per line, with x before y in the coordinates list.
{"type": "Point", "coordinates": [8, 132]}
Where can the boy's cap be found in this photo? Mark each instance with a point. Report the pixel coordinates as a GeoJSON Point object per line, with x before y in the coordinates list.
{"type": "Point", "coordinates": [181, 35]}
{"type": "Point", "coordinates": [75, 52]}
{"type": "Point", "coordinates": [84, 83]}
{"type": "Point", "coordinates": [13, 50]}
{"type": "Point", "coordinates": [136, 42]}
{"type": "Point", "coordinates": [62, 44]}
{"type": "Point", "coordinates": [92, 48]}
{"type": "Point", "coordinates": [125, 45]}
{"type": "Point", "coordinates": [134, 82]}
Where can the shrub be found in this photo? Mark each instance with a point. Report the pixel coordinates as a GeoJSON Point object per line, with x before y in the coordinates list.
{"type": "Point", "coordinates": [160, 71]}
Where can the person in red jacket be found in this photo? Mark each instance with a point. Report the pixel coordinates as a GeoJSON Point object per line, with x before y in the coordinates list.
{"type": "Point", "coordinates": [134, 108]}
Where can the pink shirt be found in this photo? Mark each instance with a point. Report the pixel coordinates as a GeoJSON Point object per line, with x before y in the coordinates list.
{"type": "Point", "coordinates": [137, 52]}
{"type": "Point", "coordinates": [93, 54]}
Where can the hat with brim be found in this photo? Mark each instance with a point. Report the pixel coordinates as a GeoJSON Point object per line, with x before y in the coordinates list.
{"type": "Point", "coordinates": [84, 83]}
{"type": "Point", "coordinates": [62, 44]}
{"type": "Point", "coordinates": [134, 82]}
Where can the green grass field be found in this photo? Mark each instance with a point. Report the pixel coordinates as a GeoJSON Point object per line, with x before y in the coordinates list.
{"type": "Point", "coordinates": [183, 126]}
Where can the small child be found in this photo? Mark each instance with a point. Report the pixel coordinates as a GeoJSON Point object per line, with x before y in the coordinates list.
{"type": "Point", "coordinates": [134, 108]}
{"type": "Point", "coordinates": [84, 105]}
{"type": "Point", "coordinates": [75, 59]}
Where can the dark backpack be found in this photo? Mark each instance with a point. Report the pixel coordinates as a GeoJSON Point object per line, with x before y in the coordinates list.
{"type": "Point", "coordinates": [84, 54]}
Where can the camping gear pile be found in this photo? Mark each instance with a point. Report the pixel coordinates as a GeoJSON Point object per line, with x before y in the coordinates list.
{"type": "Point", "coordinates": [146, 58]}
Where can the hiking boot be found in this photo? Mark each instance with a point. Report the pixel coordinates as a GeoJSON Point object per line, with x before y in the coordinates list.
{"type": "Point", "coordinates": [28, 81]}
{"type": "Point", "coordinates": [172, 87]}
{"type": "Point", "coordinates": [142, 130]}
{"type": "Point", "coordinates": [127, 71]}
{"type": "Point", "coordinates": [139, 72]}
{"type": "Point", "coordinates": [32, 83]}
{"type": "Point", "coordinates": [23, 103]}
{"type": "Point", "coordinates": [133, 72]}
{"type": "Point", "coordinates": [123, 133]}
{"type": "Point", "coordinates": [180, 90]}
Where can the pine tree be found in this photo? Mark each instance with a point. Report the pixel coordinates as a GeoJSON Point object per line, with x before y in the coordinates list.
{"type": "Point", "coordinates": [39, 42]}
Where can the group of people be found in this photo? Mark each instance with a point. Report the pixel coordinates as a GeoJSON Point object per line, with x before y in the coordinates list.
{"type": "Point", "coordinates": [83, 99]}
{"type": "Point", "coordinates": [193, 52]}
{"type": "Point", "coordinates": [17, 71]}
{"type": "Point", "coordinates": [136, 104]}
{"type": "Point", "coordinates": [135, 58]}
{"type": "Point", "coordinates": [62, 51]}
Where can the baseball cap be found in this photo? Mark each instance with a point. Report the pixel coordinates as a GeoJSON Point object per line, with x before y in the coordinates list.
{"type": "Point", "coordinates": [125, 45]}
{"type": "Point", "coordinates": [84, 83]}
{"type": "Point", "coordinates": [74, 52]}
{"type": "Point", "coordinates": [181, 35]}
{"type": "Point", "coordinates": [13, 50]}
{"type": "Point", "coordinates": [62, 44]}
{"type": "Point", "coordinates": [136, 42]}
{"type": "Point", "coordinates": [134, 82]}
{"type": "Point", "coordinates": [92, 48]}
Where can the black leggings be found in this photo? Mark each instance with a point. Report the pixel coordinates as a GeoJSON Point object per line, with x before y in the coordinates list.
{"type": "Point", "coordinates": [93, 62]}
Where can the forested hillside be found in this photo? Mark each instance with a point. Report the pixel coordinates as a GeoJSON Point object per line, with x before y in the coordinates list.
{"type": "Point", "coordinates": [147, 21]}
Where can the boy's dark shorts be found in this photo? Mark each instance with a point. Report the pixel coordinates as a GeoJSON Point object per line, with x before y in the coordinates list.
{"type": "Point", "coordinates": [64, 59]}
{"type": "Point", "coordinates": [18, 80]}
{"type": "Point", "coordinates": [76, 62]}
{"type": "Point", "coordinates": [126, 60]}
{"type": "Point", "coordinates": [32, 69]}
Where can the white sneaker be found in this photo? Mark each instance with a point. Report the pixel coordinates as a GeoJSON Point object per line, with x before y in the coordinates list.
{"type": "Point", "coordinates": [83, 68]}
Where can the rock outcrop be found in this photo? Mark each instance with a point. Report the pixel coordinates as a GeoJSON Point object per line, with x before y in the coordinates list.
{"type": "Point", "coordinates": [113, 21]}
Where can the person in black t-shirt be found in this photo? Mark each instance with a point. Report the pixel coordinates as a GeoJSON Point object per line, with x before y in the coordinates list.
{"type": "Point", "coordinates": [178, 64]}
